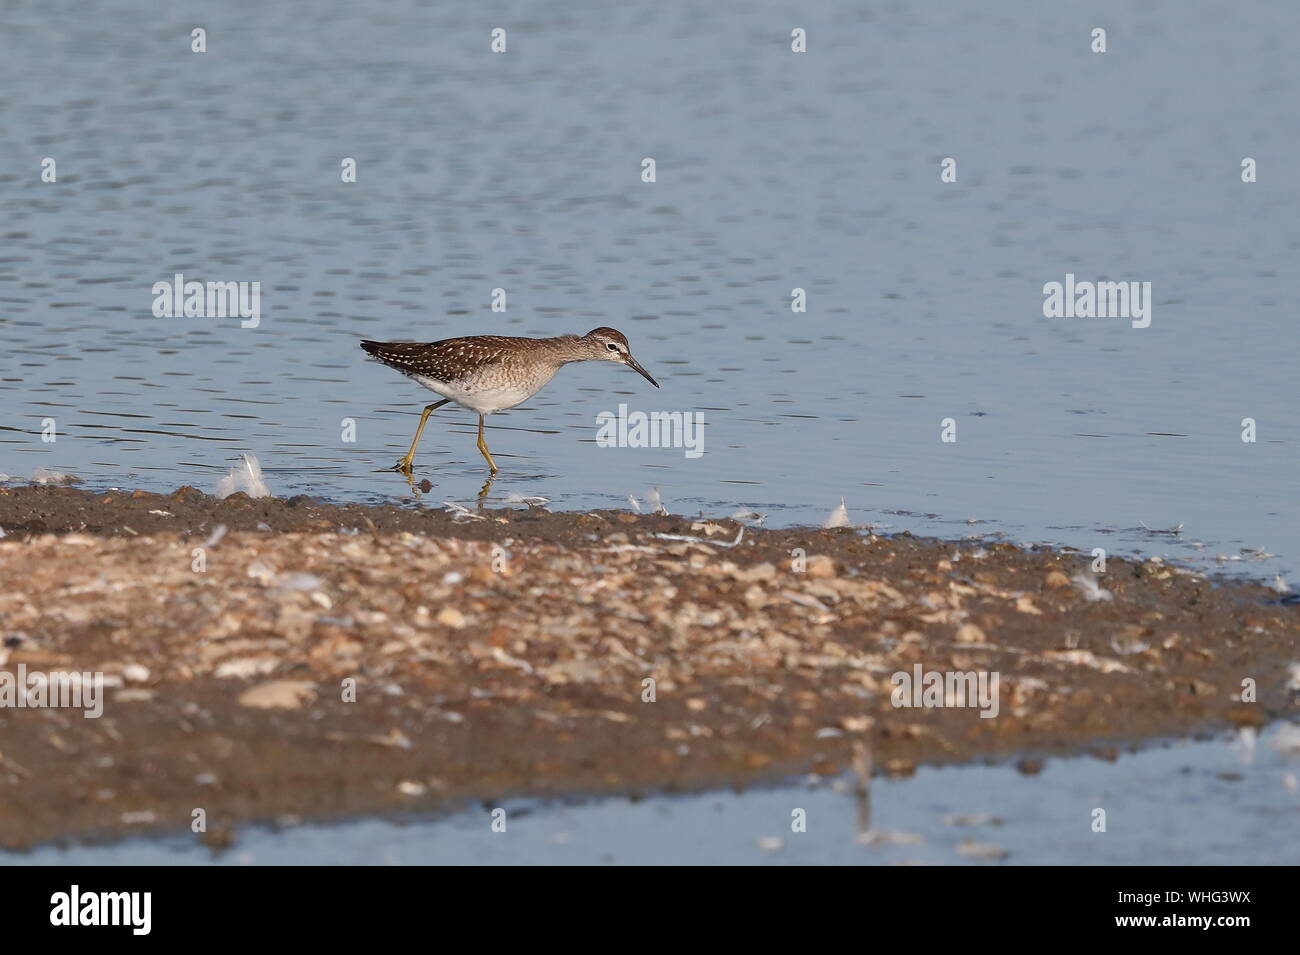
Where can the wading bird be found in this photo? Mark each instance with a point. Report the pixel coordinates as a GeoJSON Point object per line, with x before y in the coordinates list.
{"type": "Point", "coordinates": [490, 373]}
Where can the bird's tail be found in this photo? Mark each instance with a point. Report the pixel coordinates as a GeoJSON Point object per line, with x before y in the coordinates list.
{"type": "Point", "coordinates": [390, 353]}
{"type": "Point", "coordinates": [406, 357]}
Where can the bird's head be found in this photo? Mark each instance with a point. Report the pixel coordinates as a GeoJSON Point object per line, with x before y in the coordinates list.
{"type": "Point", "coordinates": [609, 344]}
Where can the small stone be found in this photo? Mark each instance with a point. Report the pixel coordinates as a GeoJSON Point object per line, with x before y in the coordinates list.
{"type": "Point", "coordinates": [135, 673]}
{"type": "Point", "coordinates": [298, 581]}
{"type": "Point", "coordinates": [1025, 605]}
{"type": "Point", "coordinates": [451, 617]}
{"type": "Point", "coordinates": [394, 738]}
{"type": "Point", "coordinates": [278, 695]}
{"type": "Point", "coordinates": [759, 572]}
{"type": "Point", "coordinates": [244, 667]}
{"type": "Point", "coordinates": [969, 633]}
{"type": "Point", "coordinates": [821, 566]}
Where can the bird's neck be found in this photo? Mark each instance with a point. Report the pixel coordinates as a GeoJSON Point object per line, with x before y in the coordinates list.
{"type": "Point", "coordinates": [567, 348]}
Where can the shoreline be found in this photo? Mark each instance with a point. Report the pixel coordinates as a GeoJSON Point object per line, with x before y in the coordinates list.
{"type": "Point", "coordinates": [506, 655]}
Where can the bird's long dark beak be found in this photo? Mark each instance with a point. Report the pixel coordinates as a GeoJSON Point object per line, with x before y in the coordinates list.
{"type": "Point", "coordinates": [632, 362]}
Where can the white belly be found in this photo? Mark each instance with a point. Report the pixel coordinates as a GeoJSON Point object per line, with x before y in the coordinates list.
{"type": "Point", "coordinates": [480, 398]}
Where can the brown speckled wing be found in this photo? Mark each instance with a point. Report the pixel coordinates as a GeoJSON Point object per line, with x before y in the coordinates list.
{"type": "Point", "coordinates": [447, 360]}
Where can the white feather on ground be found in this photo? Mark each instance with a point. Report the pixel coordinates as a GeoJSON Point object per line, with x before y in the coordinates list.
{"type": "Point", "coordinates": [530, 501]}
{"type": "Point", "coordinates": [1090, 589]}
{"type": "Point", "coordinates": [839, 517]}
{"type": "Point", "coordinates": [46, 476]}
{"type": "Point", "coordinates": [460, 513]}
{"type": "Point", "coordinates": [246, 477]}
{"type": "Point", "coordinates": [653, 500]}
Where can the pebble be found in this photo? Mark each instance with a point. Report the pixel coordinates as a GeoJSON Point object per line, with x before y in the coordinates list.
{"type": "Point", "coordinates": [451, 617]}
{"type": "Point", "coordinates": [821, 566]}
{"type": "Point", "coordinates": [1026, 605]}
{"type": "Point", "coordinates": [134, 696]}
{"type": "Point", "coordinates": [278, 695]}
{"type": "Point", "coordinates": [299, 581]}
{"type": "Point", "coordinates": [245, 667]}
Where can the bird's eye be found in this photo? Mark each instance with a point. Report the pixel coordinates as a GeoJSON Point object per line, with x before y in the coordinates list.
{"type": "Point", "coordinates": [611, 346]}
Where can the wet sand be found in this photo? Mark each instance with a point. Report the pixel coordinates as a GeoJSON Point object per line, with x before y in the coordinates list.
{"type": "Point", "coordinates": [506, 652]}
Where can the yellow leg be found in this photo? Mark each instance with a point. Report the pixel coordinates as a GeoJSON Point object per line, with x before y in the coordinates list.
{"type": "Point", "coordinates": [482, 446]}
{"type": "Point", "coordinates": [404, 465]}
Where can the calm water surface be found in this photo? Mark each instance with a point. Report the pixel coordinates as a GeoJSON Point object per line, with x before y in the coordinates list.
{"type": "Point", "coordinates": [1231, 801]}
{"type": "Point", "coordinates": [775, 171]}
